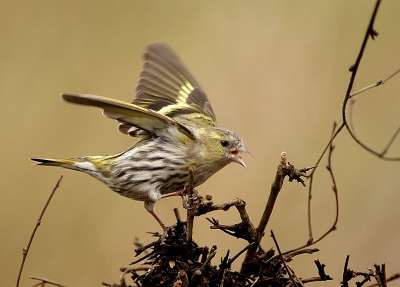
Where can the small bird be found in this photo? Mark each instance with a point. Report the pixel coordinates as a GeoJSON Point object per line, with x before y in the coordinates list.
{"type": "Point", "coordinates": [176, 127]}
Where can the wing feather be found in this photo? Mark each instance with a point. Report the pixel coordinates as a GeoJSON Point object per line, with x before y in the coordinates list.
{"type": "Point", "coordinates": [167, 95]}
{"type": "Point", "coordinates": [165, 81]}
{"type": "Point", "coordinates": [129, 114]}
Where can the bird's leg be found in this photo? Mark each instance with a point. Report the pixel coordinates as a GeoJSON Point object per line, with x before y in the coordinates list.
{"type": "Point", "coordinates": [163, 226]}
{"type": "Point", "coordinates": [182, 194]}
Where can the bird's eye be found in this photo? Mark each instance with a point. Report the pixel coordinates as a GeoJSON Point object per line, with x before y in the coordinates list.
{"type": "Point", "coordinates": [224, 143]}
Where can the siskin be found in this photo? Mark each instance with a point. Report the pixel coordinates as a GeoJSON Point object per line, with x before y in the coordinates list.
{"type": "Point", "coordinates": [176, 127]}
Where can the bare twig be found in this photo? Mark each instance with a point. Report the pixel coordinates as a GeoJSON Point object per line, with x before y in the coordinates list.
{"type": "Point", "coordinates": [354, 69]}
{"type": "Point", "coordinates": [394, 136]}
{"type": "Point", "coordinates": [311, 176]}
{"type": "Point", "coordinates": [301, 251]}
{"type": "Point", "coordinates": [370, 32]}
{"type": "Point", "coordinates": [376, 84]}
{"type": "Point", "coordinates": [203, 205]}
{"type": "Point", "coordinates": [321, 270]}
{"type": "Point", "coordinates": [251, 230]}
{"type": "Point", "coordinates": [391, 278]}
{"type": "Point", "coordinates": [190, 217]}
{"type": "Point", "coordinates": [294, 279]}
{"type": "Point", "coordinates": [210, 256]}
{"type": "Point", "coordinates": [284, 169]}
{"type": "Point", "coordinates": [26, 249]}
{"type": "Point", "coordinates": [237, 255]}
{"type": "Point", "coordinates": [380, 275]}
{"type": "Point", "coordinates": [44, 281]}
{"type": "Point", "coordinates": [244, 229]}
{"type": "Point", "coordinates": [351, 108]}
{"type": "Point", "coordinates": [347, 274]}
{"type": "Point", "coordinates": [311, 240]}
{"type": "Point", "coordinates": [275, 188]}
{"type": "Point", "coordinates": [381, 154]}
{"type": "Point", "coordinates": [334, 188]}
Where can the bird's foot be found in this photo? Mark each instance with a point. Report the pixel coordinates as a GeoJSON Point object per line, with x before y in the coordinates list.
{"type": "Point", "coordinates": [164, 227]}
{"type": "Point", "coordinates": [165, 232]}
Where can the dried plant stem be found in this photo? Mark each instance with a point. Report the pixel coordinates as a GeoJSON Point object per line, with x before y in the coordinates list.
{"type": "Point", "coordinates": [26, 249]}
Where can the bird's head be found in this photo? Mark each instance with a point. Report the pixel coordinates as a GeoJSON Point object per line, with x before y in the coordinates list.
{"type": "Point", "coordinates": [221, 146]}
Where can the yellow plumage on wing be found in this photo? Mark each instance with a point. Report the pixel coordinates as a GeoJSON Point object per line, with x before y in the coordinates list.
{"type": "Point", "coordinates": [177, 128]}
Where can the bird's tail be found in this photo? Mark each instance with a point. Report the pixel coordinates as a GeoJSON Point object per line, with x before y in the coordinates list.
{"type": "Point", "coordinates": [94, 166]}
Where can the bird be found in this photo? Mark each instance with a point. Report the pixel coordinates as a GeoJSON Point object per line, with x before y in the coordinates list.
{"type": "Point", "coordinates": [176, 129]}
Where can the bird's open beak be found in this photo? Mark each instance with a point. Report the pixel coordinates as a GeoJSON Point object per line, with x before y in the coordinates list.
{"type": "Point", "coordinates": [236, 157]}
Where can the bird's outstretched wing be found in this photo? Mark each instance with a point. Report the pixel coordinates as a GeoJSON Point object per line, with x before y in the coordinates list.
{"type": "Point", "coordinates": [166, 85]}
{"type": "Point", "coordinates": [166, 95]}
{"type": "Point", "coordinates": [153, 123]}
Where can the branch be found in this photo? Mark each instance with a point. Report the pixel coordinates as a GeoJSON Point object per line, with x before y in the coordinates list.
{"type": "Point", "coordinates": [284, 169]}
{"type": "Point", "coordinates": [244, 229]}
{"type": "Point", "coordinates": [353, 69]}
{"type": "Point", "coordinates": [391, 278]}
{"type": "Point", "coordinates": [190, 217]}
{"type": "Point", "coordinates": [347, 273]}
{"type": "Point", "coordinates": [370, 32]}
{"type": "Point", "coordinates": [44, 281]}
{"type": "Point", "coordinates": [291, 274]}
{"type": "Point", "coordinates": [374, 85]}
{"type": "Point", "coordinates": [25, 250]}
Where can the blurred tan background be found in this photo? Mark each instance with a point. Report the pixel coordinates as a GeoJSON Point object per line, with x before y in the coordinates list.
{"type": "Point", "coordinates": [276, 73]}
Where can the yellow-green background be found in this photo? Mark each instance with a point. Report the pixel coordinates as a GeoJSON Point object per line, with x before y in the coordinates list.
{"type": "Point", "coordinates": [276, 73]}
